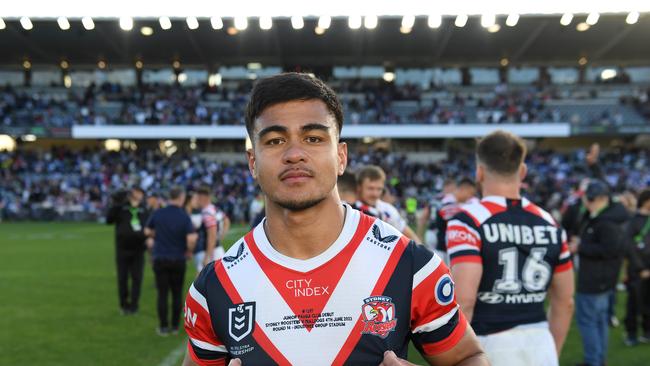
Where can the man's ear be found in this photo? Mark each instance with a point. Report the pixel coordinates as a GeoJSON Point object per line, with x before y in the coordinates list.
{"type": "Point", "coordinates": [250, 155]}
{"type": "Point", "coordinates": [523, 170]}
{"type": "Point", "coordinates": [342, 152]}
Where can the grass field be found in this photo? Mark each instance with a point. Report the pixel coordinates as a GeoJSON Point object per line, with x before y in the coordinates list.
{"type": "Point", "coordinates": [59, 304]}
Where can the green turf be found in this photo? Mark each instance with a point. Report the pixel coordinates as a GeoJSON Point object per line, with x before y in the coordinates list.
{"type": "Point", "coordinates": [59, 304]}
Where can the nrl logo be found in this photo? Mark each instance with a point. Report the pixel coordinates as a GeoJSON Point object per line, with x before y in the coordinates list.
{"type": "Point", "coordinates": [241, 320]}
{"type": "Point", "coordinates": [384, 239]}
{"type": "Point", "coordinates": [378, 314]}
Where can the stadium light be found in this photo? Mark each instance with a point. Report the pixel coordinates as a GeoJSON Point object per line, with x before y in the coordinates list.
{"type": "Point", "coordinates": [67, 82]}
{"type": "Point", "coordinates": [461, 20]}
{"type": "Point", "coordinates": [192, 23]}
{"type": "Point", "coordinates": [389, 76]}
{"type": "Point", "coordinates": [126, 23]}
{"type": "Point", "coordinates": [405, 30]}
{"type": "Point", "coordinates": [28, 138]}
{"type": "Point", "coordinates": [504, 62]}
{"type": "Point", "coordinates": [494, 28]}
{"type": "Point", "coordinates": [26, 23]}
{"type": "Point", "coordinates": [241, 23]}
{"type": "Point", "coordinates": [64, 64]}
{"type": "Point", "coordinates": [7, 143]}
{"type": "Point", "coordinates": [631, 18]}
{"type": "Point", "coordinates": [101, 64]}
{"type": "Point", "coordinates": [176, 64]}
{"type": "Point", "coordinates": [608, 74]}
{"type": "Point", "coordinates": [216, 23]}
{"type": "Point", "coordinates": [146, 31]}
{"type": "Point", "coordinates": [512, 20]}
{"type": "Point", "coordinates": [582, 61]}
{"type": "Point", "coordinates": [408, 21]}
{"type": "Point", "coordinates": [165, 23]}
{"type": "Point", "coordinates": [266, 23]}
{"type": "Point", "coordinates": [488, 20]}
{"type": "Point", "coordinates": [63, 22]}
{"type": "Point", "coordinates": [319, 31]}
{"type": "Point", "coordinates": [254, 66]}
{"type": "Point", "coordinates": [182, 77]}
{"type": "Point", "coordinates": [354, 21]}
{"type": "Point", "coordinates": [88, 23]}
{"type": "Point", "coordinates": [139, 65]}
{"type": "Point", "coordinates": [434, 21]}
{"type": "Point", "coordinates": [297, 22]}
{"type": "Point", "coordinates": [27, 65]}
{"type": "Point", "coordinates": [215, 80]}
{"type": "Point", "coordinates": [112, 145]}
{"type": "Point", "coordinates": [582, 27]}
{"type": "Point", "coordinates": [324, 22]}
{"type": "Point", "coordinates": [2, 24]}
{"type": "Point", "coordinates": [592, 18]}
{"type": "Point", "coordinates": [566, 19]}
{"type": "Point", "coordinates": [370, 21]}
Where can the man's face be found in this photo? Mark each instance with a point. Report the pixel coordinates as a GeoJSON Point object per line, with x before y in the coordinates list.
{"type": "Point", "coordinates": [370, 191]}
{"type": "Point", "coordinates": [136, 196]}
{"type": "Point", "coordinates": [202, 200]}
{"type": "Point", "coordinates": [296, 157]}
{"type": "Point", "coordinates": [465, 192]}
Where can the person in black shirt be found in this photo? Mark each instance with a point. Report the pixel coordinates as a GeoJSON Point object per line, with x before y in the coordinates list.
{"type": "Point", "coordinates": [129, 216]}
{"type": "Point", "coordinates": [638, 272]}
{"type": "Point", "coordinates": [174, 241]}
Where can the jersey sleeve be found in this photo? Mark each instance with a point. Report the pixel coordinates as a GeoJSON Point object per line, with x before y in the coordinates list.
{"type": "Point", "coordinates": [564, 261]}
{"type": "Point", "coordinates": [209, 219]}
{"type": "Point", "coordinates": [463, 240]}
{"type": "Point", "coordinates": [205, 348]}
{"type": "Point", "coordinates": [437, 324]}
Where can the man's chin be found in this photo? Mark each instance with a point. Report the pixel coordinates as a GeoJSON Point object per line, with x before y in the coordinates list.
{"type": "Point", "coordinates": [299, 205]}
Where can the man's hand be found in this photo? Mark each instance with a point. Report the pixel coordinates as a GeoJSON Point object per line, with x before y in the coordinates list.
{"type": "Point", "coordinates": [574, 244]}
{"type": "Point", "coordinates": [645, 274]}
{"type": "Point", "coordinates": [391, 359]}
{"type": "Point", "coordinates": [235, 362]}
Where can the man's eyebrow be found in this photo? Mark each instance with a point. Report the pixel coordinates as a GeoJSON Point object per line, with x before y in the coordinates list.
{"type": "Point", "coordinates": [274, 128]}
{"type": "Point", "coordinates": [314, 126]}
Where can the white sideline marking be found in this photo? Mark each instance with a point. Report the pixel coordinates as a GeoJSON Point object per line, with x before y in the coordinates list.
{"type": "Point", "coordinates": [174, 357]}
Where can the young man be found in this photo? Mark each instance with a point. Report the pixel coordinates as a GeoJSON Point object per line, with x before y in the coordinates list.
{"type": "Point", "coordinates": [506, 255]}
{"type": "Point", "coordinates": [174, 240]}
{"type": "Point", "coordinates": [316, 282]}
{"type": "Point", "coordinates": [208, 231]}
{"type": "Point", "coordinates": [370, 187]}
{"type": "Point", "coordinates": [347, 187]}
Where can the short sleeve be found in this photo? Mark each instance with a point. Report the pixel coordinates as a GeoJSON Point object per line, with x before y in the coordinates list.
{"type": "Point", "coordinates": [564, 261]}
{"type": "Point", "coordinates": [437, 323]}
{"type": "Point", "coordinates": [203, 345]}
{"type": "Point", "coordinates": [463, 240]}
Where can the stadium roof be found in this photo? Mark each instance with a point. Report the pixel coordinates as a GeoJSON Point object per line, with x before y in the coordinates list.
{"type": "Point", "coordinates": [485, 40]}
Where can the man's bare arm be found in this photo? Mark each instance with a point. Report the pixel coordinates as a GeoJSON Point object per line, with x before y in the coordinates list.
{"type": "Point", "coordinates": [411, 234]}
{"type": "Point", "coordinates": [467, 277]}
{"type": "Point", "coordinates": [561, 306]}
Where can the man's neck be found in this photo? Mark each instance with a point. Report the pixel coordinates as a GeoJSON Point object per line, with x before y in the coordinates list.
{"type": "Point", "coordinates": [307, 233]}
{"type": "Point", "coordinates": [502, 189]}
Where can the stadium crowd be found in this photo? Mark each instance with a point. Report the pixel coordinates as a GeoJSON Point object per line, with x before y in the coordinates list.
{"type": "Point", "coordinates": [367, 102]}
{"type": "Point", "coordinates": [64, 184]}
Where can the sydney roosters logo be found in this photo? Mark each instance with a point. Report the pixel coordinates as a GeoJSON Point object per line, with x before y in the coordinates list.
{"type": "Point", "coordinates": [378, 316]}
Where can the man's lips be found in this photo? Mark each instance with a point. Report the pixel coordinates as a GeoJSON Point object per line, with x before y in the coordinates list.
{"type": "Point", "coordinates": [295, 175]}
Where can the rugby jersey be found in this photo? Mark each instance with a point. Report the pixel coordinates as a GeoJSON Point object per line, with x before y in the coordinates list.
{"type": "Point", "coordinates": [520, 247]}
{"type": "Point", "coordinates": [371, 291]}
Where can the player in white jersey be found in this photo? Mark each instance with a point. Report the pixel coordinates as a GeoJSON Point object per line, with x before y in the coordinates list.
{"type": "Point", "coordinates": [506, 255]}
{"type": "Point", "coordinates": [370, 186]}
{"type": "Point", "coordinates": [316, 282]}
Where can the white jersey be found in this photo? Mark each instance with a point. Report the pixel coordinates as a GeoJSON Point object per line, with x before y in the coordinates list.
{"type": "Point", "coordinates": [390, 214]}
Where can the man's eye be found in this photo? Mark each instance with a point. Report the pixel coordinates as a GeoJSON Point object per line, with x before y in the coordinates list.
{"type": "Point", "coordinates": [314, 139]}
{"type": "Point", "coordinates": [276, 141]}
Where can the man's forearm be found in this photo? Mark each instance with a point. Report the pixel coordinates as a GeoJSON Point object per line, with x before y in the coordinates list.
{"type": "Point", "coordinates": [559, 319]}
{"type": "Point", "coordinates": [478, 359]}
